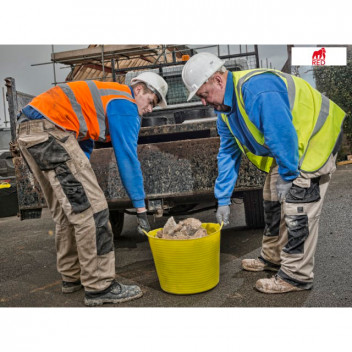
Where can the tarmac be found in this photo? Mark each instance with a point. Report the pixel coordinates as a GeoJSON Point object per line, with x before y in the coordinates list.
{"type": "Point", "coordinates": [29, 278]}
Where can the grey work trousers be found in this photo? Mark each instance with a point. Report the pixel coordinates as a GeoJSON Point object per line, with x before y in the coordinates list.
{"type": "Point", "coordinates": [84, 239]}
{"type": "Point", "coordinates": [291, 227]}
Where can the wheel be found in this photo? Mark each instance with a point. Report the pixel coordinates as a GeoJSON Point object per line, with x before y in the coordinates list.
{"type": "Point", "coordinates": [253, 208]}
{"type": "Point", "coordinates": [116, 220]}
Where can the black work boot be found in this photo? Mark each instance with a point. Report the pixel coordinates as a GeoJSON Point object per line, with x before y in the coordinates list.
{"type": "Point", "coordinates": [69, 287]}
{"type": "Point", "coordinates": [115, 293]}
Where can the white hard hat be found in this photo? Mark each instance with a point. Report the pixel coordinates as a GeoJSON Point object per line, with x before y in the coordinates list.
{"type": "Point", "coordinates": [155, 83]}
{"type": "Point", "coordinates": [198, 69]}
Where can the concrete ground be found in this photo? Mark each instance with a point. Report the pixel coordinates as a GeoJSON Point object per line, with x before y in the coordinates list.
{"type": "Point", "coordinates": [29, 278]}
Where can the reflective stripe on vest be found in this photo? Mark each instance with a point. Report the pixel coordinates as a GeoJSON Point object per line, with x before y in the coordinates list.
{"type": "Point", "coordinates": [261, 162]}
{"type": "Point", "coordinates": [100, 108]}
{"type": "Point", "coordinates": [316, 114]}
{"type": "Point", "coordinates": [76, 108]}
{"type": "Point", "coordinates": [289, 83]}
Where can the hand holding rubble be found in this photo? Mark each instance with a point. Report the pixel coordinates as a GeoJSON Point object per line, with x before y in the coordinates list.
{"type": "Point", "coordinates": [143, 223]}
{"type": "Point", "coordinates": [223, 214]}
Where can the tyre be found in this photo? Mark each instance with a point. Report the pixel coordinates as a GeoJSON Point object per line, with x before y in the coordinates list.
{"type": "Point", "coordinates": [116, 220]}
{"type": "Point", "coordinates": [253, 208]}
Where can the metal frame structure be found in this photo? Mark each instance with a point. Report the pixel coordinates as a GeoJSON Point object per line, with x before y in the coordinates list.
{"type": "Point", "coordinates": [109, 61]}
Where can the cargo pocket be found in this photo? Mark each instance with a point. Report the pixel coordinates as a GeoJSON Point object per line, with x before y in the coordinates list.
{"type": "Point", "coordinates": [104, 237]}
{"type": "Point", "coordinates": [308, 194]}
{"type": "Point", "coordinates": [49, 154]}
{"type": "Point", "coordinates": [72, 188]}
{"type": "Point", "coordinates": [298, 231]}
{"type": "Point", "coordinates": [272, 218]}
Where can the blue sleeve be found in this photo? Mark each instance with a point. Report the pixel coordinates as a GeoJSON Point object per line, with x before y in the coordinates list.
{"type": "Point", "coordinates": [32, 113]}
{"type": "Point", "coordinates": [267, 105]}
{"type": "Point", "coordinates": [87, 146]}
{"type": "Point", "coordinates": [124, 126]}
{"type": "Point", "coordinates": [229, 159]}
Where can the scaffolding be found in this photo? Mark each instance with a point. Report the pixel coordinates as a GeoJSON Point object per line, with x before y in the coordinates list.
{"type": "Point", "coordinates": [120, 63]}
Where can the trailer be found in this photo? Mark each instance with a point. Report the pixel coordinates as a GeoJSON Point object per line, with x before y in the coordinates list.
{"type": "Point", "coordinates": [177, 149]}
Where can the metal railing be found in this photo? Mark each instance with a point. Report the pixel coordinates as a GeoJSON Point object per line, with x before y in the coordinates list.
{"type": "Point", "coordinates": [165, 60]}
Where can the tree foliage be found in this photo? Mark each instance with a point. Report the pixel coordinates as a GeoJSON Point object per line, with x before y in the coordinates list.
{"type": "Point", "coordinates": [336, 83]}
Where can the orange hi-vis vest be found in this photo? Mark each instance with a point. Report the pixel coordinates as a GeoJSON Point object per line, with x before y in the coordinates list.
{"type": "Point", "coordinates": [81, 106]}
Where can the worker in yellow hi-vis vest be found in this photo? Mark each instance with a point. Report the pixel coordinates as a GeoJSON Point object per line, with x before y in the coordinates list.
{"type": "Point", "coordinates": [291, 131]}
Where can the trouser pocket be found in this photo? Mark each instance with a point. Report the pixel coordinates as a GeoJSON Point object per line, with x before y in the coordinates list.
{"type": "Point", "coordinates": [51, 155]}
{"type": "Point", "coordinates": [272, 217]}
{"type": "Point", "coordinates": [72, 188]}
{"type": "Point", "coordinates": [298, 231]}
{"type": "Point", "coordinates": [302, 194]}
{"type": "Point", "coordinates": [104, 236]}
{"type": "Point", "coordinates": [304, 191]}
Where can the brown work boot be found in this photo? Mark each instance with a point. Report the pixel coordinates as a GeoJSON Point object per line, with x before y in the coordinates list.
{"type": "Point", "coordinates": [258, 265]}
{"type": "Point", "coordinates": [275, 285]}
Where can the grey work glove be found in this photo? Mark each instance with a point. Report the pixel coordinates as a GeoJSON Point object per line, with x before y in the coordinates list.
{"type": "Point", "coordinates": [223, 214]}
{"type": "Point", "coordinates": [282, 188]}
{"type": "Point", "coordinates": [143, 223]}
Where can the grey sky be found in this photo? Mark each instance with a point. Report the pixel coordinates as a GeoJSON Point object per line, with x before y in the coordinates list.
{"type": "Point", "coordinates": [16, 61]}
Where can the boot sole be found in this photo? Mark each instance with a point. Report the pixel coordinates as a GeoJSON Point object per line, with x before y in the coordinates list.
{"type": "Point", "coordinates": [262, 269]}
{"type": "Point", "coordinates": [71, 289]}
{"type": "Point", "coordinates": [101, 301]}
{"type": "Point", "coordinates": [296, 289]}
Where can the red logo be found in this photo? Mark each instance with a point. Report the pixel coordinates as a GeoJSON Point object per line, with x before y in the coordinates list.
{"type": "Point", "coordinates": [318, 57]}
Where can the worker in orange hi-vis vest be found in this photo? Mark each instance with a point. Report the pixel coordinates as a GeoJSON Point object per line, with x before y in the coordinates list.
{"type": "Point", "coordinates": [56, 133]}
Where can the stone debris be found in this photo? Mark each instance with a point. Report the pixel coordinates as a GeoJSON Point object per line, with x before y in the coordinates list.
{"type": "Point", "coordinates": [189, 228]}
{"type": "Point", "coordinates": [170, 226]}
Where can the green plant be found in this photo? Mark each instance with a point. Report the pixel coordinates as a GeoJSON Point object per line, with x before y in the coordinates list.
{"type": "Point", "coordinates": [336, 83]}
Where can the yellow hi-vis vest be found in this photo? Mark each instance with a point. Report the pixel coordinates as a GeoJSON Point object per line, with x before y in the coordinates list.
{"type": "Point", "coordinates": [317, 121]}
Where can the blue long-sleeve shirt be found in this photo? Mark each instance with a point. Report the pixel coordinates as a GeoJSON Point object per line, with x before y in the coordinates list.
{"type": "Point", "coordinates": [124, 125]}
{"type": "Point", "coordinates": [267, 106]}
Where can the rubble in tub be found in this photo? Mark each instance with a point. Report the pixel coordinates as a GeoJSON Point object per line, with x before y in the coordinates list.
{"type": "Point", "coordinates": [187, 229]}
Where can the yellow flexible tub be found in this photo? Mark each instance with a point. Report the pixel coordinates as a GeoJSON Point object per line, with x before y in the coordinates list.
{"type": "Point", "coordinates": [187, 266]}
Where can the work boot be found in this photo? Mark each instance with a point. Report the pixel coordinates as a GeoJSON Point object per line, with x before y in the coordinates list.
{"type": "Point", "coordinates": [69, 287]}
{"type": "Point", "coordinates": [115, 293]}
{"type": "Point", "coordinates": [258, 265]}
{"type": "Point", "coordinates": [275, 285]}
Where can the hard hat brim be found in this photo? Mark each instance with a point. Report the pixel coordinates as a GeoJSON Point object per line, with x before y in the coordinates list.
{"type": "Point", "coordinates": [191, 95]}
{"type": "Point", "coordinates": [162, 103]}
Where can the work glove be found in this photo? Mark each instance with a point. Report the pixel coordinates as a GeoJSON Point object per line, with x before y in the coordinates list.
{"type": "Point", "coordinates": [282, 188]}
{"type": "Point", "coordinates": [143, 223]}
{"type": "Point", "coordinates": [223, 214]}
